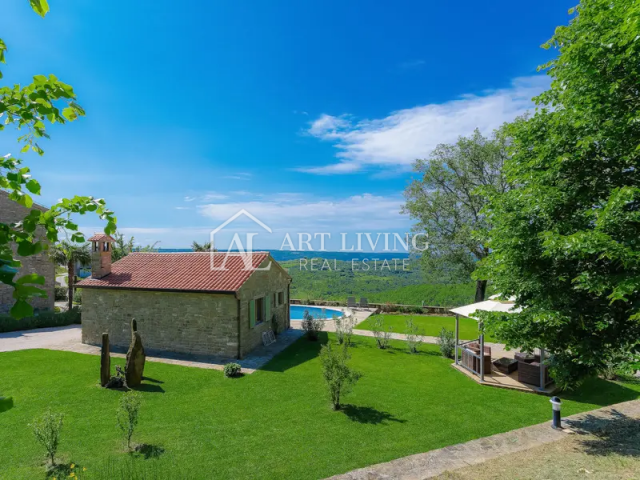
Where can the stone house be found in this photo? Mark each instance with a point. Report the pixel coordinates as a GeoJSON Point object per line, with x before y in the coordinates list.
{"type": "Point", "coordinates": [200, 303]}
{"type": "Point", "coordinates": [12, 212]}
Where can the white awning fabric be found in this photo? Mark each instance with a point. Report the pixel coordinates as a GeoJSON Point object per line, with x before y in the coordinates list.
{"type": "Point", "coordinates": [490, 305]}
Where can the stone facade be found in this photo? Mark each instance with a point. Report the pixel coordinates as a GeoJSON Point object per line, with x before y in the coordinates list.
{"type": "Point", "coordinates": [189, 323]}
{"type": "Point", "coordinates": [11, 212]}
{"type": "Point", "coordinates": [261, 284]}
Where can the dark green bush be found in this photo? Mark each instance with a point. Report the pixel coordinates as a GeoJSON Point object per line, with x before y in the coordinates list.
{"type": "Point", "coordinates": [40, 320]}
{"type": "Point", "coordinates": [61, 293]}
{"type": "Point", "coordinates": [232, 370]}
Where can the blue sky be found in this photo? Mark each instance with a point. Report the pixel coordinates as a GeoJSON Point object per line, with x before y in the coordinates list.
{"type": "Point", "coordinates": [307, 114]}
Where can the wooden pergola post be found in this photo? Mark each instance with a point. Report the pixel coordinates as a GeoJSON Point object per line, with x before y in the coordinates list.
{"type": "Point", "coordinates": [482, 357]}
{"type": "Point", "coordinates": [542, 370]}
{"type": "Point", "coordinates": [457, 337]}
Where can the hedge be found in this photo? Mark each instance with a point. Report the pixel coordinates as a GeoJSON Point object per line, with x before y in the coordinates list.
{"type": "Point", "coordinates": [41, 320]}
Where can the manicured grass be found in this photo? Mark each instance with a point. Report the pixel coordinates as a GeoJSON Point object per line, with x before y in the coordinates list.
{"type": "Point", "coordinates": [431, 325]}
{"type": "Point", "coordinates": [276, 423]}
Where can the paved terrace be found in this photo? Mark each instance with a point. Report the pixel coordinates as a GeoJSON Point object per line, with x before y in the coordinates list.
{"type": "Point", "coordinates": [69, 339]}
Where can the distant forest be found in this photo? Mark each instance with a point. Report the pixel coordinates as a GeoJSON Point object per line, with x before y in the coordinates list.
{"type": "Point", "coordinates": [378, 286]}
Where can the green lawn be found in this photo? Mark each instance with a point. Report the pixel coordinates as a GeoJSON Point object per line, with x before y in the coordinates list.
{"type": "Point", "coordinates": [276, 423]}
{"type": "Point", "coordinates": [431, 325]}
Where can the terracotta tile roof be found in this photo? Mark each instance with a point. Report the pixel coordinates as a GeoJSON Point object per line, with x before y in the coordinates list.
{"type": "Point", "coordinates": [179, 271]}
{"type": "Point", "coordinates": [101, 237]}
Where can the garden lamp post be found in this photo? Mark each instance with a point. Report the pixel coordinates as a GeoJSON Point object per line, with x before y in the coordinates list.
{"type": "Point", "coordinates": [555, 403]}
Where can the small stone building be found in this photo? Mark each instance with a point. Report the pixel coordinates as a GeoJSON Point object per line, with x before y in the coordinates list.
{"type": "Point", "coordinates": [12, 212]}
{"type": "Point", "coordinates": [200, 303]}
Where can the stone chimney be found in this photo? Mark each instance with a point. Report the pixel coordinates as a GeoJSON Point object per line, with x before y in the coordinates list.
{"type": "Point", "coordinates": [101, 255]}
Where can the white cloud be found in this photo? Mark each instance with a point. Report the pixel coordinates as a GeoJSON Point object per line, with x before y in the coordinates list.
{"type": "Point", "coordinates": [207, 197]}
{"type": "Point", "coordinates": [238, 176]}
{"type": "Point", "coordinates": [284, 213]}
{"type": "Point", "coordinates": [365, 212]}
{"type": "Point", "coordinates": [329, 127]}
{"type": "Point", "coordinates": [403, 136]}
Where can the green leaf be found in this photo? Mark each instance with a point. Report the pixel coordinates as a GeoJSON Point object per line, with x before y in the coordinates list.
{"type": "Point", "coordinates": [21, 309]}
{"type": "Point", "coordinates": [70, 114]}
{"type": "Point", "coordinates": [31, 278]}
{"type": "Point", "coordinates": [33, 186]}
{"type": "Point", "coordinates": [27, 291]}
{"type": "Point", "coordinates": [41, 7]}
{"type": "Point", "coordinates": [25, 200]}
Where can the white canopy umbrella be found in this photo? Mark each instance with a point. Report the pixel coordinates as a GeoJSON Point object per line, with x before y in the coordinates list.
{"type": "Point", "coordinates": [491, 305]}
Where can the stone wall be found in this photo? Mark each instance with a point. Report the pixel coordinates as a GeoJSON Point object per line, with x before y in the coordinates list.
{"type": "Point", "coordinates": [191, 323]}
{"type": "Point", "coordinates": [11, 212]}
{"type": "Point", "coordinates": [261, 284]}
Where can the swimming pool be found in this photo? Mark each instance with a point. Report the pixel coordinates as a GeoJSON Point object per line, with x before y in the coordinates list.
{"type": "Point", "coordinates": [297, 312]}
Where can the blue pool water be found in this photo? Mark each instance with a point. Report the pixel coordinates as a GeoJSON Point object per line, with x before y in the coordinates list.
{"type": "Point", "coordinates": [297, 312]}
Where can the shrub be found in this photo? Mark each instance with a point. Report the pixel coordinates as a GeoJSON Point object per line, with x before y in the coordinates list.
{"type": "Point", "coordinates": [232, 370]}
{"type": "Point", "coordinates": [39, 320]}
{"type": "Point", "coordinates": [77, 296]}
{"type": "Point", "coordinates": [380, 332]}
{"type": "Point", "coordinates": [447, 343]}
{"type": "Point", "coordinates": [47, 432]}
{"type": "Point", "coordinates": [312, 326]}
{"type": "Point", "coordinates": [127, 414]}
{"type": "Point", "coordinates": [61, 293]}
{"type": "Point", "coordinates": [620, 363]}
{"type": "Point", "coordinates": [414, 336]}
{"type": "Point", "coordinates": [344, 329]}
{"type": "Point", "coordinates": [337, 374]}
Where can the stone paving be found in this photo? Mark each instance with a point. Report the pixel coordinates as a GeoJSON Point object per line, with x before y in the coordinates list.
{"type": "Point", "coordinates": [436, 462]}
{"type": "Point", "coordinates": [69, 339]}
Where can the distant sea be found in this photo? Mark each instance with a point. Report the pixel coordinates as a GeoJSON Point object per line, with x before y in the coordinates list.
{"type": "Point", "coordinates": [284, 255]}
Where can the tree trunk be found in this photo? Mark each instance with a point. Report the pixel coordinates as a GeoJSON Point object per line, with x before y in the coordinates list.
{"type": "Point", "coordinates": [71, 274]}
{"type": "Point", "coordinates": [481, 289]}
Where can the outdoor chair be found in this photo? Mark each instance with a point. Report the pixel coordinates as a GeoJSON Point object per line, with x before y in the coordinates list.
{"type": "Point", "coordinates": [351, 302]}
{"type": "Point", "coordinates": [363, 302]}
{"type": "Point", "coordinates": [526, 357]}
{"type": "Point", "coordinates": [530, 373]}
{"type": "Point", "coordinates": [472, 362]}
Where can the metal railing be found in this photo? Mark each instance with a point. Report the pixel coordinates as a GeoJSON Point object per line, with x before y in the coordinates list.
{"type": "Point", "coordinates": [464, 354]}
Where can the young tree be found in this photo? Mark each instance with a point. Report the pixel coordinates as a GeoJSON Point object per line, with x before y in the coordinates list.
{"type": "Point", "coordinates": [30, 107]}
{"type": "Point", "coordinates": [565, 240]}
{"type": "Point", "coordinates": [127, 414]}
{"type": "Point", "coordinates": [47, 430]}
{"type": "Point", "coordinates": [68, 254]}
{"type": "Point", "coordinates": [456, 182]}
{"type": "Point", "coordinates": [339, 377]}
